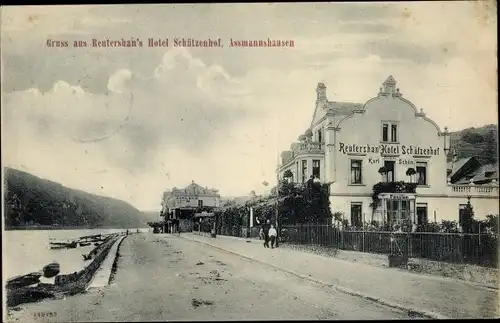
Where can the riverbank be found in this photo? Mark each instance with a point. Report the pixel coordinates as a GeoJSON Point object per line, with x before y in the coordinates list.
{"type": "Point", "coordinates": [28, 251]}
{"type": "Point", "coordinates": [64, 284]}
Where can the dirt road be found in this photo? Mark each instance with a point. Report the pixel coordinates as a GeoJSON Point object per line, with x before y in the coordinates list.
{"type": "Point", "coordinates": [163, 277]}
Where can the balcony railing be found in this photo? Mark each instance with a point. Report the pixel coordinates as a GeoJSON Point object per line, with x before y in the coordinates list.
{"type": "Point", "coordinates": [483, 190]}
{"type": "Point", "coordinates": [306, 147]}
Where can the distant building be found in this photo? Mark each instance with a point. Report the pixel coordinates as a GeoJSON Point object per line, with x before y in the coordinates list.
{"type": "Point", "coordinates": [182, 204]}
{"type": "Point", "coordinates": [354, 146]}
{"type": "Point", "coordinates": [470, 171]}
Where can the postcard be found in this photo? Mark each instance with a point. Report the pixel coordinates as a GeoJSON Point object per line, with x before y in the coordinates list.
{"type": "Point", "coordinates": [256, 161]}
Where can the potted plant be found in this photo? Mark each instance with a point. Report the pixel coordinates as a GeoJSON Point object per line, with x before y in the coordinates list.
{"type": "Point", "coordinates": [382, 171]}
{"type": "Point", "coordinates": [410, 172]}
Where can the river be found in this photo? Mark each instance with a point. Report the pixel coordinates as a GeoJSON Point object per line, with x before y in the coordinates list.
{"type": "Point", "coordinates": [25, 251]}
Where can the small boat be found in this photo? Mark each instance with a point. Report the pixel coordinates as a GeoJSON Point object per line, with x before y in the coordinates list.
{"type": "Point", "coordinates": [87, 257]}
{"type": "Point", "coordinates": [97, 244]}
{"type": "Point", "coordinates": [23, 280]}
{"type": "Point", "coordinates": [51, 270]}
{"type": "Point", "coordinates": [83, 244]}
{"type": "Point", "coordinates": [95, 236]}
{"type": "Point", "coordinates": [62, 245]}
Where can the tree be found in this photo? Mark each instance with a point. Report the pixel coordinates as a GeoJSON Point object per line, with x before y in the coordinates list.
{"type": "Point", "coordinates": [472, 137]}
{"type": "Point", "coordinates": [288, 174]}
{"type": "Point", "coordinates": [337, 217]}
{"type": "Point", "coordinates": [449, 226]}
{"type": "Point", "coordinates": [490, 147]}
{"type": "Point", "coordinates": [467, 218]}
{"type": "Point", "coordinates": [410, 172]}
{"type": "Point", "coordinates": [304, 204]}
{"type": "Point", "coordinates": [491, 223]}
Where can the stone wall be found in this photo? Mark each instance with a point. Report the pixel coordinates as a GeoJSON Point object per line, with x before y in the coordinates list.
{"type": "Point", "coordinates": [84, 276]}
{"type": "Point", "coordinates": [64, 284]}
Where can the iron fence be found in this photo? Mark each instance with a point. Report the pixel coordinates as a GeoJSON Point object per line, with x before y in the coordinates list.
{"type": "Point", "coordinates": [237, 231]}
{"type": "Point", "coordinates": [478, 249]}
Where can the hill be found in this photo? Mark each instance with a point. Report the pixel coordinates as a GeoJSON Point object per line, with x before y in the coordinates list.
{"type": "Point", "coordinates": [33, 201]}
{"type": "Point", "coordinates": [480, 142]}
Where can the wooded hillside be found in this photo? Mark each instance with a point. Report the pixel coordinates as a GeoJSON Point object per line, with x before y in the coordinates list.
{"type": "Point", "coordinates": [32, 201]}
{"type": "Point", "coordinates": [480, 142]}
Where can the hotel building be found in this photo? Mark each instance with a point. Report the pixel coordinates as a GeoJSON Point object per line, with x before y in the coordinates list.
{"type": "Point", "coordinates": [354, 146]}
{"type": "Point", "coordinates": [182, 204]}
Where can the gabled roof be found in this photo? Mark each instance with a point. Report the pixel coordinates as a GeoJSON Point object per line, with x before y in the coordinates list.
{"type": "Point", "coordinates": [457, 165]}
{"type": "Point", "coordinates": [390, 81]}
{"type": "Point", "coordinates": [481, 174]}
{"type": "Point", "coordinates": [343, 108]}
{"type": "Point", "coordinates": [195, 189]}
{"type": "Point", "coordinates": [337, 108]}
{"type": "Point", "coordinates": [486, 173]}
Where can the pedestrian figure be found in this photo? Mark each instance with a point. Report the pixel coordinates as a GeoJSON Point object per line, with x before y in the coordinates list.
{"type": "Point", "coordinates": [261, 234]}
{"type": "Point", "coordinates": [272, 235]}
{"type": "Point", "coordinates": [266, 228]}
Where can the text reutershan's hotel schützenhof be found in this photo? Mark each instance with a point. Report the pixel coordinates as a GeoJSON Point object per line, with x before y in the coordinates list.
{"type": "Point", "coordinates": [169, 42]}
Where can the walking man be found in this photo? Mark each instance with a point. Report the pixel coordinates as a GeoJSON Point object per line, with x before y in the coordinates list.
{"type": "Point", "coordinates": [266, 228]}
{"type": "Point", "coordinates": [272, 235]}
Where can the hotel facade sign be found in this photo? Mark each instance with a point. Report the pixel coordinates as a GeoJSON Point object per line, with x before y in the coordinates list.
{"type": "Point", "coordinates": [382, 149]}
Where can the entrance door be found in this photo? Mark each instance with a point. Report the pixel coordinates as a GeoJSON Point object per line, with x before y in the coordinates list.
{"type": "Point", "coordinates": [398, 211]}
{"type": "Point", "coordinates": [422, 216]}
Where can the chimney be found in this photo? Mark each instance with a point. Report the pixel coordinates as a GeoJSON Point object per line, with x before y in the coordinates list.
{"type": "Point", "coordinates": [320, 92]}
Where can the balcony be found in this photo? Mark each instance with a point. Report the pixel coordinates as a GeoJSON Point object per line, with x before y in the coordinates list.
{"type": "Point", "coordinates": [474, 190]}
{"type": "Point", "coordinates": [303, 148]}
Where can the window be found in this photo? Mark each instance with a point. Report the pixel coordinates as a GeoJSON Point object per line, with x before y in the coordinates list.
{"type": "Point", "coordinates": [394, 133]}
{"type": "Point", "coordinates": [421, 173]}
{"type": "Point", "coordinates": [320, 135]}
{"type": "Point", "coordinates": [389, 132]}
{"type": "Point", "coordinates": [356, 214]}
{"type": "Point", "coordinates": [422, 217]}
{"type": "Point", "coordinates": [389, 169]}
{"type": "Point", "coordinates": [297, 169]}
{"type": "Point", "coordinates": [304, 171]}
{"type": "Point", "coordinates": [200, 203]}
{"type": "Point", "coordinates": [405, 210]}
{"type": "Point", "coordinates": [392, 212]}
{"type": "Point", "coordinates": [316, 168]}
{"type": "Point", "coordinates": [356, 177]}
{"type": "Point", "coordinates": [385, 132]}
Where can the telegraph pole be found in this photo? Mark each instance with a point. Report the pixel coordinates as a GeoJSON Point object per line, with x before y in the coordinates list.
{"type": "Point", "coordinates": [277, 197]}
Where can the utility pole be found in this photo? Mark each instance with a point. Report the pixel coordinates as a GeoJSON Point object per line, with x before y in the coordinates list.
{"type": "Point", "coordinates": [277, 201]}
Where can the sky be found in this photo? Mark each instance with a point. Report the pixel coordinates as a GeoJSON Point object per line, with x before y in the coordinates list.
{"type": "Point", "coordinates": [132, 122]}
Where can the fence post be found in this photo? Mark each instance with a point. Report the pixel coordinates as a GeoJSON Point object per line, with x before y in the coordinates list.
{"type": "Point", "coordinates": [363, 244]}
{"type": "Point", "coordinates": [479, 234]}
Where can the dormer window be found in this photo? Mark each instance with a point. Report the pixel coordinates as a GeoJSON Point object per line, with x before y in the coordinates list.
{"type": "Point", "coordinates": [389, 132]}
{"type": "Point", "coordinates": [320, 135]}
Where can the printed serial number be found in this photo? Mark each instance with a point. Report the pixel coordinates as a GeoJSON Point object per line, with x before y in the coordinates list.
{"type": "Point", "coordinates": [45, 314]}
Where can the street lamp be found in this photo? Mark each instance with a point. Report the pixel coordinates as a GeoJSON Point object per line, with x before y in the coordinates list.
{"type": "Point", "coordinates": [447, 141]}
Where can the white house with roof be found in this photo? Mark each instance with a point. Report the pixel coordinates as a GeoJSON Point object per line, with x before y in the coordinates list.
{"type": "Point", "coordinates": [354, 146]}
{"type": "Point", "coordinates": [183, 203]}
{"type": "Point", "coordinates": [191, 197]}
